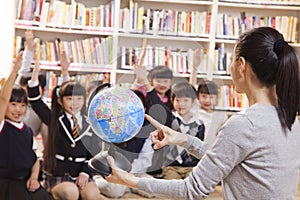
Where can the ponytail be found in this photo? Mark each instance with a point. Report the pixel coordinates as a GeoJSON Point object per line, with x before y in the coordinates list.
{"type": "Point", "coordinates": [50, 149]}
{"type": "Point", "coordinates": [274, 62]}
{"type": "Point", "coordinates": [287, 82]}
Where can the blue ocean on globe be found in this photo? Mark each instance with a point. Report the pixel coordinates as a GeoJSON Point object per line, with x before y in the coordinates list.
{"type": "Point", "coordinates": [116, 114]}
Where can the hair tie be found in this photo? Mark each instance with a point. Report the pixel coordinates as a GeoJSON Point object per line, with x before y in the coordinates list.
{"type": "Point", "coordinates": [278, 45]}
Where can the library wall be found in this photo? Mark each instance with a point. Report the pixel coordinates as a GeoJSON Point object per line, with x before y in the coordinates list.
{"type": "Point", "coordinates": [105, 36]}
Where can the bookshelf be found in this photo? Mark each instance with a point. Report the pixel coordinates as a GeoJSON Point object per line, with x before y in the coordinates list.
{"type": "Point", "coordinates": [173, 29]}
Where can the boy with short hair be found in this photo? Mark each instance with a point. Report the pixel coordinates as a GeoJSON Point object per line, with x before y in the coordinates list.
{"type": "Point", "coordinates": [178, 162]}
{"type": "Point", "coordinates": [207, 94]}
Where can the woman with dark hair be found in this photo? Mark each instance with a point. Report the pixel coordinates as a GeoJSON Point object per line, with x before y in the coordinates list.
{"type": "Point", "coordinates": [256, 153]}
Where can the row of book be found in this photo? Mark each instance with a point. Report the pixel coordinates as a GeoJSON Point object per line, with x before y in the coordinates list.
{"type": "Point", "coordinates": [231, 27]}
{"type": "Point", "coordinates": [97, 52]}
{"type": "Point", "coordinates": [267, 2]}
{"type": "Point", "coordinates": [94, 51]}
{"type": "Point", "coordinates": [163, 21]}
{"type": "Point", "coordinates": [222, 60]}
{"type": "Point", "coordinates": [229, 98]}
{"type": "Point", "coordinates": [60, 14]}
{"type": "Point", "coordinates": [179, 60]}
{"type": "Point", "coordinates": [53, 79]}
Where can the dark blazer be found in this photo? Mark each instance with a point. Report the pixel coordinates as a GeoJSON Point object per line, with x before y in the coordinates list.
{"type": "Point", "coordinates": [71, 155]}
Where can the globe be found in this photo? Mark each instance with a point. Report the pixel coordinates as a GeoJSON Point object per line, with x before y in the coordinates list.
{"type": "Point", "coordinates": [116, 114]}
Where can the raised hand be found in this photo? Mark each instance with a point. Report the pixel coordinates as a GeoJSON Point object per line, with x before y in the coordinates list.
{"type": "Point", "coordinates": [36, 69]}
{"type": "Point", "coordinates": [18, 62]}
{"type": "Point", "coordinates": [29, 40]}
{"type": "Point", "coordinates": [139, 70]}
{"type": "Point", "coordinates": [65, 62]}
{"type": "Point", "coordinates": [143, 52]}
{"type": "Point", "coordinates": [5, 92]}
{"type": "Point", "coordinates": [196, 63]}
{"type": "Point", "coordinates": [140, 74]}
{"type": "Point", "coordinates": [197, 58]}
{"type": "Point", "coordinates": [164, 135]}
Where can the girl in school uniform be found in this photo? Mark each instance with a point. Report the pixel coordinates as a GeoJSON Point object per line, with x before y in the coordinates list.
{"type": "Point", "coordinates": [66, 172]}
{"type": "Point", "coordinates": [19, 166]}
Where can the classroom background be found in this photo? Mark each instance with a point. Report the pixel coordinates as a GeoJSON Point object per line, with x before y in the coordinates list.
{"type": "Point", "coordinates": [105, 37]}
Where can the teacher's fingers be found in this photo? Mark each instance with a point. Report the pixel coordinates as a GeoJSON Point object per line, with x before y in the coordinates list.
{"type": "Point", "coordinates": [155, 123]}
{"type": "Point", "coordinates": [111, 162]}
{"type": "Point", "coordinates": [157, 135]}
{"type": "Point", "coordinates": [157, 140]}
{"type": "Point", "coordinates": [154, 136]}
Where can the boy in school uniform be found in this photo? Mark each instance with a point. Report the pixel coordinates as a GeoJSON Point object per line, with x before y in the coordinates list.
{"type": "Point", "coordinates": [178, 162]}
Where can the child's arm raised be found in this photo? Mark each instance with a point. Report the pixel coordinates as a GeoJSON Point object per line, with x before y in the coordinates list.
{"type": "Point", "coordinates": [29, 40]}
{"type": "Point", "coordinates": [28, 55]}
{"type": "Point", "coordinates": [34, 96]}
{"type": "Point", "coordinates": [36, 70]}
{"type": "Point", "coordinates": [64, 65]}
{"type": "Point", "coordinates": [8, 86]}
{"type": "Point", "coordinates": [196, 63]}
{"type": "Point", "coordinates": [140, 70]}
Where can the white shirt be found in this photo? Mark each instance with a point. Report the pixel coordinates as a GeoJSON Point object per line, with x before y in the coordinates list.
{"type": "Point", "coordinates": [78, 117]}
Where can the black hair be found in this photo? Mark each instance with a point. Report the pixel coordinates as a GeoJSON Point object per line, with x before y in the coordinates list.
{"type": "Point", "coordinates": [160, 72]}
{"type": "Point", "coordinates": [92, 85]}
{"type": "Point", "coordinates": [95, 91]}
{"type": "Point", "coordinates": [25, 79]}
{"type": "Point", "coordinates": [208, 87]}
{"type": "Point", "coordinates": [71, 88]}
{"type": "Point", "coordinates": [183, 89]}
{"type": "Point", "coordinates": [274, 62]}
{"type": "Point", "coordinates": [141, 96]}
{"type": "Point", "coordinates": [68, 88]}
{"type": "Point", "coordinates": [18, 95]}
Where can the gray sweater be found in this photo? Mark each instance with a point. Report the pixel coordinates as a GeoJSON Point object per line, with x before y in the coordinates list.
{"type": "Point", "coordinates": [252, 156]}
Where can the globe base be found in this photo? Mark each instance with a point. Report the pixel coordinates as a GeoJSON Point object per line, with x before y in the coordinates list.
{"type": "Point", "coordinates": [99, 164]}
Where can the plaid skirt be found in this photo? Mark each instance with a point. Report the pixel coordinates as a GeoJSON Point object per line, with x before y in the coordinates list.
{"type": "Point", "coordinates": [50, 181]}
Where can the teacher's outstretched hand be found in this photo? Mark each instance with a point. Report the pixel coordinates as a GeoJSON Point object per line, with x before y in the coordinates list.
{"type": "Point", "coordinates": [164, 135]}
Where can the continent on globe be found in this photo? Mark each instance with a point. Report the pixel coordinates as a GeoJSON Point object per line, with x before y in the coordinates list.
{"type": "Point", "coordinates": [116, 114]}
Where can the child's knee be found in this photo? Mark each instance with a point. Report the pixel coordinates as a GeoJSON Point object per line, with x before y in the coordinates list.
{"type": "Point", "coordinates": [66, 190]}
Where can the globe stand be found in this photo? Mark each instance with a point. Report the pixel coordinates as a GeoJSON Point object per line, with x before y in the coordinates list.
{"type": "Point", "coordinates": [99, 163]}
